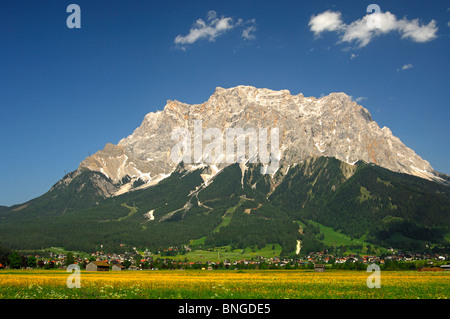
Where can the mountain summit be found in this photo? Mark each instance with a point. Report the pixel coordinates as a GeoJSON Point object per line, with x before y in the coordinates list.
{"type": "Point", "coordinates": [331, 126]}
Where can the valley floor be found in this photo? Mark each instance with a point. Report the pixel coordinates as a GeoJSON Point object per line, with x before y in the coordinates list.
{"type": "Point", "coordinates": [226, 284]}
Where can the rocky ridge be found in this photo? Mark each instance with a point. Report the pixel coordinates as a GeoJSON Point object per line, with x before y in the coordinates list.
{"type": "Point", "coordinates": [331, 126]}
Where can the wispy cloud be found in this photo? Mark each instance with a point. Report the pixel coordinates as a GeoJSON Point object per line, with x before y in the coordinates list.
{"type": "Point", "coordinates": [362, 31]}
{"type": "Point", "coordinates": [250, 28]}
{"type": "Point", "coordinates": [210, 29]}
{"type": "Point", "coordinates": [358, 99]}
{"type": "Point", "coordinates": [213, 28]}
{"type": "Point", "coordinates": [406, 67]}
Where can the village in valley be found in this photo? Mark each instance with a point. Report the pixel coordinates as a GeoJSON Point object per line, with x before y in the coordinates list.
{"type": "Point", "coordinates": [175, 258]}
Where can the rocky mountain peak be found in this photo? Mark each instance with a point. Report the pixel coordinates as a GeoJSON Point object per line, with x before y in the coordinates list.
{"type": "Point", "coordinates": [332, 126]}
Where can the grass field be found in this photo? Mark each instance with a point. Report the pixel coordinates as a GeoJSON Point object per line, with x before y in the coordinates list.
{"type": "Point", "coordinates": [227, 284]}
{"type": "Point", "coordinates": [335, 238]}
{"type": "Point", "coordinates": [225, 253]}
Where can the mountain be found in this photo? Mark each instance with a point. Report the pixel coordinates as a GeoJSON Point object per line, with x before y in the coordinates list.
{"type": "Point", "coordinates": [77, 190]}
{"type": "Point", "coordinates": [241, 207]}
{"type": "Point", "coordinates": [335, 167]}
{"type": "Point", "coordinates": [332, 126]}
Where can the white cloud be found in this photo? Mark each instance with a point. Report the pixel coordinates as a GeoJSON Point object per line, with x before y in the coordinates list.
{"type": "Point", "coordinates": [212, 15]}
{"type": "Point", "coordinates": [213, 28]}
{"type": "Point", "coordinates": [362, 31]}
{"type": "Point", "coordinates": [358, 99]}
{"type": "Point", "coordinates": [418, 33]}
{"type": "Point", "coordinates": [210, 30]}
{"type": "Point", "coordinates": [247, 33]}
{"type": "Point", "coordinates": [357, 31]}
{"type": "Point", "coordinates": [326, 21]}
{"type": "Point", "coordinates": [406, 67]}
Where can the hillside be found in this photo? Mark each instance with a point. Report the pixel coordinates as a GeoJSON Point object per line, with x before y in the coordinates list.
{"type": "Point", "coordinates": [240, 207]}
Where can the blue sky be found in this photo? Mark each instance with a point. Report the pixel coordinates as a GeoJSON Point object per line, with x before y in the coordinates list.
{"type": "Point", "coordinates": [65, 93]}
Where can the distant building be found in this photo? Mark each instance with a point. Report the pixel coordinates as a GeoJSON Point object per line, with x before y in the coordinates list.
{"type": "Point", "coordinates": [319, 267]}
{"type": "Point", "coordinates": [97, 266]}
{"type": "Point", "coordinates": [446, 267]}
{"type": "Point", "coordinates": [118, 267]}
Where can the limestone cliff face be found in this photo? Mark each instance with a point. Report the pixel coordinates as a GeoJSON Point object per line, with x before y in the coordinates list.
{"type": "Point", "coordinates": [332, 126]}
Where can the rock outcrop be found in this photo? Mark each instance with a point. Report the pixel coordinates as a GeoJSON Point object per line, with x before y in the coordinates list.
{"type": "Point", "coordinates": [333, 126]}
